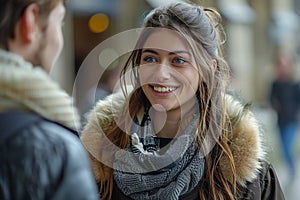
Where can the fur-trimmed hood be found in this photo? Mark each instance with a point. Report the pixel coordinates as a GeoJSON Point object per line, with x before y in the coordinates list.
{"type": "Point", "coordinates": [25, 87]}
{"type": "Point", "coordinates": [245, 140]}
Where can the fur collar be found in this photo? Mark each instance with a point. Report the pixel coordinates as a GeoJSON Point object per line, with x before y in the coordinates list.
{"type": "Point", "coordinates": [25, 87]}
{"type": "Point", "coordinates": [245, 138]}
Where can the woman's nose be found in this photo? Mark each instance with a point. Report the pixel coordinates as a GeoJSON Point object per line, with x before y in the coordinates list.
{"type": "Point", "coordinates": [163, 71]}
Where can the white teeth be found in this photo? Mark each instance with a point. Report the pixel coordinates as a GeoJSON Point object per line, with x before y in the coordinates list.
{"type": "Point", "coordinates": [164, 89]}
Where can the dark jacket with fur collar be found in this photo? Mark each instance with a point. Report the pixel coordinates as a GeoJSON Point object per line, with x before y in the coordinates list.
{"type": "Point", "coordinates": [256, 176]}
{"type": "Point", "coordinates": [41, 155]}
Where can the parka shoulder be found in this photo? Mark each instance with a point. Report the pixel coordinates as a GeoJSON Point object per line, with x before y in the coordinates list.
{"type": "Point", "coordinates": [245, 142]}
{"type": "Point", "coordinates": [101, 119]}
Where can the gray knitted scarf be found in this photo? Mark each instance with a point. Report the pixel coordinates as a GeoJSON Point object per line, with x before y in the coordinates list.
{"type": "Point", "coordinates": [143, 171]}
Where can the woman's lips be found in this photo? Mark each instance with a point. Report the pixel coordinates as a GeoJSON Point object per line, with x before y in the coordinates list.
{"type": "Point", "coordinates": [163, 89]}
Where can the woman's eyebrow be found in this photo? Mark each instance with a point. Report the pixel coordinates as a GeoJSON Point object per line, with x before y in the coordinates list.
{"type": "Point", "coordinates": [170, 53]}
{"type": "Point", "coordinates": [150, 51]}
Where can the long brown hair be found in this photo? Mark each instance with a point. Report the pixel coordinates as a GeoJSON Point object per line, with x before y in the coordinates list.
{"type": "Point", "coordinates": [202, 30]}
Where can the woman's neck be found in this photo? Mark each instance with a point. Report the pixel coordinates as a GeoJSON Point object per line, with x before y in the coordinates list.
{"type": "Point", "coordinates": [171, 123]}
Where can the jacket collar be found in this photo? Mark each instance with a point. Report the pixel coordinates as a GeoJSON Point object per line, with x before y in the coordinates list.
{"type": "Point", "coordinates": [25, 87]}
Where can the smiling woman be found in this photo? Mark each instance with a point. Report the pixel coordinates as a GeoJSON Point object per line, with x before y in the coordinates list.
{"type": "Point", "coordinates": [177, 134]}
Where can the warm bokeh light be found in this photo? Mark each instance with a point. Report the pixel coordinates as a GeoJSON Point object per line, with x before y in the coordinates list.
{"type": "Point", "coordinates": [98, 23]}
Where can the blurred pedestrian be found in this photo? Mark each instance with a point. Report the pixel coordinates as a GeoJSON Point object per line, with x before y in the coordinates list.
{"type": "Point", "coordinates": [178, 134]}
{"type": "Point", "coordinates": [285, 100]}
{"type": "Point", "coordinates": [41, 154]}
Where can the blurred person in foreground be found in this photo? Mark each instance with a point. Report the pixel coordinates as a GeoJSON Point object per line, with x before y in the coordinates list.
{"type": "Point", "coordinates": [177, 134]}
{"type": "Point", "coordinates": [41, 154]}
{"type": "Point", "coordinates": [285, 100]}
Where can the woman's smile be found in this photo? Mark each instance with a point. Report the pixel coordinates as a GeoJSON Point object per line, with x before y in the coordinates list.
{"type": "Point", "coordinates": [163, 89]}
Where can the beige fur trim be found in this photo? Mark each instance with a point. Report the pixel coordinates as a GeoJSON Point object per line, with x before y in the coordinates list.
{"type": "Point", "coordinates": [245, 143]}
{"type": "Point", "coordinates": [23, 86]}
{"type": "Point", "coordinates": [93, 137]}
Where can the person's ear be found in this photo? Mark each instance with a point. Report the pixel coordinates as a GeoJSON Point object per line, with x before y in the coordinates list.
{"type": "Point", "coordinates": [29, 23]}
{"type": "Point", "coordinates": [215, 64]}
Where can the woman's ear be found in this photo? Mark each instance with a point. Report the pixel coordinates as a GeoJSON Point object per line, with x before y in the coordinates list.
{"type": "Point", "coordinates": [215, 64]}
{"type": "Point", "coordinates": [29, 23]}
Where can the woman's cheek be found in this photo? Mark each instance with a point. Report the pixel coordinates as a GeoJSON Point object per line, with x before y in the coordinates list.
{"type": "Point", "coordinates": [145, 74]}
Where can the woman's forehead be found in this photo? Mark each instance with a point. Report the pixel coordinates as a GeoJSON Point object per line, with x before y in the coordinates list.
{"type": "Point", "coordinates": [167, 40]}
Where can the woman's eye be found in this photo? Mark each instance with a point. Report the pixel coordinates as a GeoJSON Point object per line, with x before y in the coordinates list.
{"type": "Point", "coordinates": [179, 61]}
{"type": "Point", "coordinates": [149, 59]}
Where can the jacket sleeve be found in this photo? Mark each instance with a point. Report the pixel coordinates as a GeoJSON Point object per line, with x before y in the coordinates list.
{"type": "Point", "coordinates": [266, 186]}
{"type": "Point", "coordinates": [77, 181]}
{"type": "Point", "coordinates": [271, 188]}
